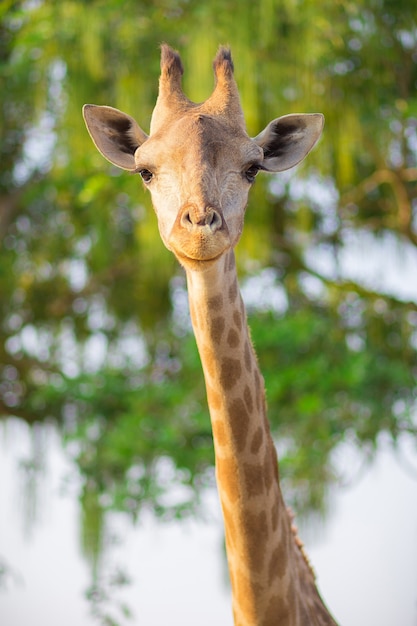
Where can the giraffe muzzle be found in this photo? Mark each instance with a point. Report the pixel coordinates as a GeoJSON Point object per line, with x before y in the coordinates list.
{"type": "Point", "coordinates": [200, 235]}
{"type": "Point", "coordinates": [193, 220]}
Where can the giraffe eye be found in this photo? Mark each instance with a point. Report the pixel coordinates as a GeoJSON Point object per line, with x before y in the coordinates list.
{"type": "Point", "coordinates": [146, 175]}
{"type": "Point", "coordinates": [250, 173]}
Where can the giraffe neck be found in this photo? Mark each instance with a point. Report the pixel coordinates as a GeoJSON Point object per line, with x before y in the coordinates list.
{"type": "Point", "coordinates": [269, 576]}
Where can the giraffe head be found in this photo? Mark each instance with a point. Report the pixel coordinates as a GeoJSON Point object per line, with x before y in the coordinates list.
{"type": "Point", "coordinates": [198, 162]}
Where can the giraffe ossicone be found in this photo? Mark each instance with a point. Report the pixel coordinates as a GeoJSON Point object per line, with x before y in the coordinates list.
{"type": "Point", "coordinates": [199, 163]}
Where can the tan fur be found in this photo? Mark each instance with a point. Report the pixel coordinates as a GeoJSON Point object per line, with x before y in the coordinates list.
{"type": "Point", "coordinates": [198, 163]}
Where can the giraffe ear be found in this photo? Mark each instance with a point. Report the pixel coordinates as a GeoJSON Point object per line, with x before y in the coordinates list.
{"type": "Point", "coordinates": [288, 139]}
{"type": "Point", "coordinates": [115, 134]}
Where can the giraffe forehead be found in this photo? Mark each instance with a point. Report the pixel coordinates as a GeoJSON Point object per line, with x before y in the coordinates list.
{"type": "Point", "coordinates": [200, 139]}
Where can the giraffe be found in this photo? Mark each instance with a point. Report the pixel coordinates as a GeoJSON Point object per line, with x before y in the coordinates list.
{"type": "Point", "coordinates": [199, 163]}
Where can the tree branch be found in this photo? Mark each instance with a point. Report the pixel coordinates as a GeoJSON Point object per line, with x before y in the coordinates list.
{"type": "Point", "coordinates": [396, 179]}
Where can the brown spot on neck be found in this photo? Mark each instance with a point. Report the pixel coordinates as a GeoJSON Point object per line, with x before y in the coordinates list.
{"type": "Point", "coordinates": [215, 303]}
{"type": "Point", "coordinates": [233, 338]}
{"type": "Point", "coordinates": [254, 479]}
{"type": "Point", "coordinates": [231, 371]}
{"type": "Point", "coordinates": [239, 420]}
{"type": "Point", "coordinates": [257, 525]}
{"type": "Point", "coordinates": [237, 318]}
{"type": "Point", "coordinates": [216, 329]}
{"type": "Point", "coordinates": [248, 357]}
{"type": "Point", "coordinates": [257, 440]}
{"type": "Point", "coordinates": [233, 291]}
{"type": "Point", "coordinates": [247, 396]}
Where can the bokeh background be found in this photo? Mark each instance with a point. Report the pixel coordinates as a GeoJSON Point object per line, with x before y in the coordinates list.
{"type": "Point", "coordinates": [108, 509]}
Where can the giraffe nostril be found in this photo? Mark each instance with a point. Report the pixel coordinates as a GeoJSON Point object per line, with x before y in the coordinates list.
{"type": "Point", "coordinates": [186, 219]}
{"type": "Point", "coordinates": [193, 220]}
{"type": "Point", "coordinates": [214, 220]}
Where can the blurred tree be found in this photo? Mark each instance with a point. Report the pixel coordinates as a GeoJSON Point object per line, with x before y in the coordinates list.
{"type": "Point", "coordinates": [93, 315]}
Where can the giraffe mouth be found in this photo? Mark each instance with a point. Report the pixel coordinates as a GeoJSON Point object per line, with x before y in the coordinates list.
{"type": "Point", "coordinates": [197, 263]}
{"type": "Point", "coordinates": [199, 242]}
{"type": "Point", "coordinates": [199, 258]}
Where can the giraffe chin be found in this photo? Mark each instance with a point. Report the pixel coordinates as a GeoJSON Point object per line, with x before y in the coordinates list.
{"type": "Point", "coordinates": [193, 263]}
{"type": "Point", "coordinates": [200, 251]}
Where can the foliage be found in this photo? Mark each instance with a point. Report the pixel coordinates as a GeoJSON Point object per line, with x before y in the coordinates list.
{"type": "Point", "coordinates": [92, 317]}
